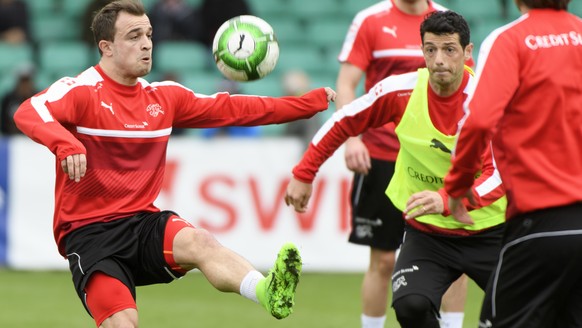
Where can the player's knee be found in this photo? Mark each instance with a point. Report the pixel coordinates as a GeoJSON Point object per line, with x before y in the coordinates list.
{"type": "Point", "coordinates": [412, 305]}
{"type": "Point", "coordinates": [202, 239]}
{"type": "Point", "coordinates": [123, 319]}
{"type": "Point", "coordinates": [383, 263]}
{"type": "Point", "coordinates": [415, 311]}
{"type": "Point", "coordinates": [194, 239]}
{"type": "Point", "coordinates": [387, 263]}
{"type": "Point", "coordinates": [192, 247]}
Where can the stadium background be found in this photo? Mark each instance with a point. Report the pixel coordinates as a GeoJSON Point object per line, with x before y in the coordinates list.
{"type": "Point", "coordinates": [310, 36]}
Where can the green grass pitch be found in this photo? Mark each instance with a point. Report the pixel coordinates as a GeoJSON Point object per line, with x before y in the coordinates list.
{"type": "Point", "coordinates": [47, 299]}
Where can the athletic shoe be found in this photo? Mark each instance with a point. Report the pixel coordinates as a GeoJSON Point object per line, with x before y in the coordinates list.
{"type": "Point", "coordinates": [276, 292]}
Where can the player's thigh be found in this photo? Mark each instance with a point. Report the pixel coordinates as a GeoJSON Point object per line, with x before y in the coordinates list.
{"type": "Point", "coordinates": [570, 314]}
{"type": "Point", "coordinates": [110, 301]}
{"type": "Point", "coordinates": [424, 267]}
{"type": "Point", "coordinates": [538, 272]}
{"type": "Point", "coordinates": [519, 291]}
{"type": "Point", "coordinates": [375, 220]}
{"type": "Point", "coordinates": [480, 254]}
{"type": "Point", "coordinates": [382, 260]}
{"type": "Point", "coordinates": [454, 298]}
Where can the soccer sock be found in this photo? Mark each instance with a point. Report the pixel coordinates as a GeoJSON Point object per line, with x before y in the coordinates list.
{"type": "Point", "coordinates": [373, 322]}
{"type": "Point", "coordinates": [248, 286]}
{"type": "Point", "coordinates": [452, 319]}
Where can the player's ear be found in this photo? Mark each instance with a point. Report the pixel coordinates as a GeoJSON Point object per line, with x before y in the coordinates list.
{"type": "Point", "coordinates": [105, 47]}
{"type": "Point", "coordinates": [469, 51]}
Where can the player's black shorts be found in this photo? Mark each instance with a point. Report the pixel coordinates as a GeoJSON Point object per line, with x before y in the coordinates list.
{"type": "Point", "coordinates": [538, 279]}
{"type": "Point", "coordinates": [375, 220]}
{"type": "Point", "coordinates": [129, 249]}
{"type": "Point", "coordinates": [428, 263]}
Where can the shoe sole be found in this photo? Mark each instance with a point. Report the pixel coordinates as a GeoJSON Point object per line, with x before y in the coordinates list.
{"type": "Point", "coordinates": [284, 282]}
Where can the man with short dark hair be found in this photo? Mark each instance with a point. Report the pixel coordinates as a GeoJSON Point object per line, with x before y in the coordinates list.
{"type": "Point", "coordinates": [426, 107]}
{"type": "Point", "coordinates": [383, 40]}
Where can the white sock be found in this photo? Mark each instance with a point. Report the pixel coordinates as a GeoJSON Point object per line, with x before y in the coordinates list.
{"type": "Point", "coordinates": [248, 286]}
{"type": "Point", "coordinates": [452, 319]}
{"type": "Point", "coordinates": [373, 322]}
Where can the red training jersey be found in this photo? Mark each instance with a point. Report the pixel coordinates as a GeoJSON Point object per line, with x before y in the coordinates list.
{"type": "Point", "coordinates": [386, 103]}
{"type": "Point", "coordinates": [124, 131]}
{"type": "Point", "coordinates": [528, 101]}
{"type": "Point", "coordinates": [382, 41]}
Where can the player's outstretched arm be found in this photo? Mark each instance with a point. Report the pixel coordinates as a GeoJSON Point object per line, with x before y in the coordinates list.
{"type": "Point", "coordinates": [298, 194]}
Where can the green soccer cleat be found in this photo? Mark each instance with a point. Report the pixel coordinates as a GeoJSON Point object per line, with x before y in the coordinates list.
{"type": "Point", "coordinates": [276, 292]}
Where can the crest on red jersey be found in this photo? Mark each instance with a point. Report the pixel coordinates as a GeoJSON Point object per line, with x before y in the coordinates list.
{"type": "Point", "coordinates": [155, 109]}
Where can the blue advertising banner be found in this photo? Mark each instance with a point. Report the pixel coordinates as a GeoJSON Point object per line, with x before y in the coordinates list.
{"type": "Point", "coordinates": [3, 198]}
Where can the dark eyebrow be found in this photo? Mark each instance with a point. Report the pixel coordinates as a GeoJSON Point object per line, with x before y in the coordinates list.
{"type": "Point", "coordinates": [446, 44]}
{"type": "Point", "coordinates": [138, 30]}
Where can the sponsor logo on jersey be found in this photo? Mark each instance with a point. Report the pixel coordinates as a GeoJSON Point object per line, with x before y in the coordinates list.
{"type": "Point", "coordinates": [435, 143]}
{"type": "Point", "coordinates": [364, 226]}
{"type": "Point", "coordinates": [366, 221]}
{"type": "Point", "coordinates": [535, 42]}
{"type": "Point", "coordinates": [424, 177]}
{"type": "Point", "coordinates": [143, 125]}
{"type": "Point", "coordinates": [108, 106]}
{"type": "Point", "coordinates": [364, 232]}
{"type": "Point", "coordinates": [399, 282]}
{"type": "Point", "coordinates": [406, 270]}
{"type": "Point", "coordinates": [155, 110]}
{"type": "Point", "coordinates": [391, 31]}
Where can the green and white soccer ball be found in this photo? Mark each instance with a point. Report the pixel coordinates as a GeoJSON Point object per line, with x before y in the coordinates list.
{"type": "Point", "coordinates": [245, 48]}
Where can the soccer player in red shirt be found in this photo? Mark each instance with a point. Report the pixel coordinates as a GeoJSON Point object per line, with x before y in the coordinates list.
{"type": "Point", "coordinates": [383, 40]}
{"type": "Point", "coordinates": [109, 130]}
{"type": "Point", "coordinates": [527, 103]}
{"type": "Point", "coordinates": [426, 107]}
